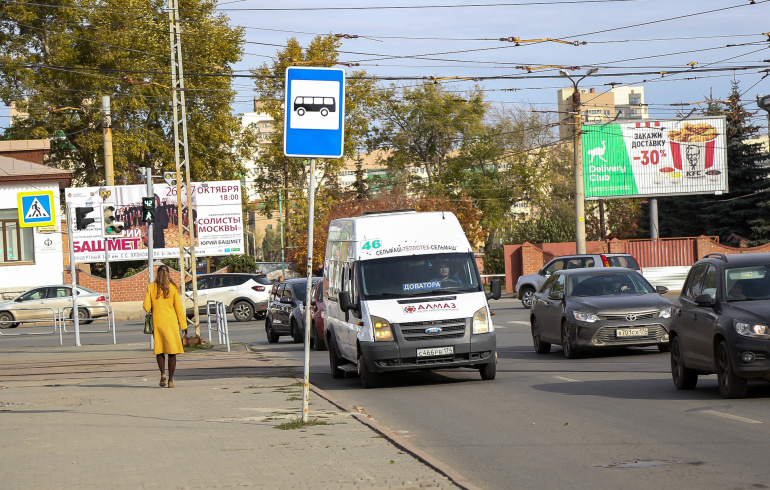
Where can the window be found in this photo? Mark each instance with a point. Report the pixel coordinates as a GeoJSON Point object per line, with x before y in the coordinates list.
{"type": "Point", "coordinates": [694, 284]}
{"type": "Point", "coordinates": [635, 99]}
{"type": "Point", "coordinates": [16, 244]}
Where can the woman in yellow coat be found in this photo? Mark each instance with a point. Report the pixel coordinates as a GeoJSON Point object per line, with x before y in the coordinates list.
{"type": "Point", "coordinates": [167, 317]}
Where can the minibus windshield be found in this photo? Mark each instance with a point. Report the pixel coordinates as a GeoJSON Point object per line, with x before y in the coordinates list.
{"type": "Point", "coordinates": [419, 275]}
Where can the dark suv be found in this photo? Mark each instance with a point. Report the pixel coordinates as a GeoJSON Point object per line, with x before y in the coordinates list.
{"type": "Point", "coordinates": [721, 323]}
{"type": "Point", "coordinates": [285, 310]}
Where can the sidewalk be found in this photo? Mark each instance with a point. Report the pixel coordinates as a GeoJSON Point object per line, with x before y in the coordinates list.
{"type": "Point", "coordinates": [94, 417]}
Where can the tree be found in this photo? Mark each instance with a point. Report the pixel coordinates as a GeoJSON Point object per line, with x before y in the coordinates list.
{"type": "Point", "coordinates": [58, 62]}
{"type": "Point", "coordinates": [422, 126]}
{"type": "Point", "coordinates": [623, 219]}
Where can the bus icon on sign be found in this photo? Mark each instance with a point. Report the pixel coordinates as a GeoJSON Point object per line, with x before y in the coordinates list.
{"type": "Point", "coordinates": [324, 105]}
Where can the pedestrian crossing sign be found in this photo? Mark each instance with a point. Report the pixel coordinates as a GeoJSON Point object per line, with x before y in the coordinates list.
{"type": "Point", "coordinates": [36, 208]}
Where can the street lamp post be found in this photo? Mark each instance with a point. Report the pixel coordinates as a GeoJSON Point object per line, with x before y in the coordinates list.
{"type": "Point", "coordinates": [580, 222]}
{"type": "Point", "coordinates": [763, 101]}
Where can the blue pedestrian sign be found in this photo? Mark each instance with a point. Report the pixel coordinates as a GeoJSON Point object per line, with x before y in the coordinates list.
{"type": "Point", "coordinates": [36, 208]}
{"type": "Point", "coordinates": [314, 121]}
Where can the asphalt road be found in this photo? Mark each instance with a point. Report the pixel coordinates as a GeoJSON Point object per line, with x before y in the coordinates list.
{"type": "Point", "coordinates": [610, 420]}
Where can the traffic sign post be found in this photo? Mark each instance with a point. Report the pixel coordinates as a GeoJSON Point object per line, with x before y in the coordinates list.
{"type": "Point", "coordinates": [314, 115]}
{"type": "Point", "coordinates": [36, 208]}
{"type": "Point", "coordinates": [314, 127]}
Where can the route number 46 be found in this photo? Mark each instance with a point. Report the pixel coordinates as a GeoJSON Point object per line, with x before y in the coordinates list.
{"type": "Point", "coordinates": [371, 244]}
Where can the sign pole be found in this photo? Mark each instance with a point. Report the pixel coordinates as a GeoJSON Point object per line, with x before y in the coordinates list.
{"type": "Point", "coordinates": [310, 218]}
{"type": "Point", "coordinates": [73, 276]}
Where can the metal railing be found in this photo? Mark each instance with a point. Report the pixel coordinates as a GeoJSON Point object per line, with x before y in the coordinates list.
{"type": "Point", "coordinates": [220, 322]}
{"type": "Point", "coordinates": [59, 318]}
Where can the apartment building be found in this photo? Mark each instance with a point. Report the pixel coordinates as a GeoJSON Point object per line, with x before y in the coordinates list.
{"type": "Point", "coordinates": [621, 103]}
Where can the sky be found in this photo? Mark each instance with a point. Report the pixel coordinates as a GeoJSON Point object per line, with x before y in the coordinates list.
{"type": "Point", "coordinates": [680, 51]}
{"type": "Point", "coordinates": [630, 41]}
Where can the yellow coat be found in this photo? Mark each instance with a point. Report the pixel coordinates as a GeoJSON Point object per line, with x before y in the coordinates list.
{"type": "Point", "coordinates": [168, 317]}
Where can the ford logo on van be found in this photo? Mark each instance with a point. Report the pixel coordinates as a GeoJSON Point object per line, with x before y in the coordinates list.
{"type": "Point", "coordinates": [433, 330]}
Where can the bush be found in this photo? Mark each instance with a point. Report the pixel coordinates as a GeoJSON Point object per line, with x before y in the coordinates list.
{"type": "Point", "coordinates": [239, 263]}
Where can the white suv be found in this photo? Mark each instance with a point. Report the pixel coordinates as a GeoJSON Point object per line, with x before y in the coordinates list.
{"type": "Point", "coordinates": [244, 295]}
{"type": "Point", "coordinates": [528, 284]}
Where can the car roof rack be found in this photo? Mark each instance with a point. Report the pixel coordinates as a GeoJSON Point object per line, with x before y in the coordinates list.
{"type": "Point", "coordinates": [720, 256]}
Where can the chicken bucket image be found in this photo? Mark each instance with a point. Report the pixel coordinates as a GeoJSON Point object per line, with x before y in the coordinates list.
{"type": "Point", "coordinates": [692, 149]}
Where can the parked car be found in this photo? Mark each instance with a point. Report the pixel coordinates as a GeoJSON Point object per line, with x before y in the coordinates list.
{"type": "Point", "coordinates": [721, 323]}
{"type": "Point", "coordinates": [585, 309]}
{"type": "Point", "coordinates": [285, 311]}
{"type": "Point", "coordinates": [528, 284]}
{"type": "Point", "coordinates": [317, 315]}
{"type": "Point", "coordinates": [43, 302]}
{"type": "Point", "coordinates": [244, 295]}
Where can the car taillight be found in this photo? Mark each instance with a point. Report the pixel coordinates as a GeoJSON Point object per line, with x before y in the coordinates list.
{"type": "Point", "coordinates": [258, 288]}
{"type": "Point", "coordinates": [101, 299]}
{"type": "Point", "coordinates": [605, 262]}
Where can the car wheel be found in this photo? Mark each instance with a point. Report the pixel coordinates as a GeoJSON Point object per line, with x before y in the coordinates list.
{"type": "Point", "coordinates": [540, 346]}
{"type": "Point", "coordinates": [570, 352]}
{"type": "Point", "coordinates": [318, 342]}
{"type": "Point", "coordinates": [272, 337]}
{"type": "Point", "coordinates": [489, 371]}
{"type": "Point", "coordinates": [83, 316]}
{"type": "Point", "coordinates": [243, 311]}
{"type": "Point", "coordinates": [368, 378]}
{"type": "Point", "coordinates": [730, 385]}
{"type": "Point", "coordinates": [5, 318]}
{"type": "Point", "coordinates": [527, 294]}
{"type": "Point", "coordinates": [334, 360]}
{"type": "Point", "coordinates": [296, 333]}
{"type": "Point", "coordinates": [684, 377]}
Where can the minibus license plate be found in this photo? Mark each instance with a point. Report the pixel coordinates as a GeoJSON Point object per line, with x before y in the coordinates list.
{"type": "Point", "coordinates": [435, 351]}
{"type": "Point", "coordinates": [631, 332]}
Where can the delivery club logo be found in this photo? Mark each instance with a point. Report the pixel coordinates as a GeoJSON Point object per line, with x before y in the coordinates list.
{"type": "Point", "coordinates": [430, 307]}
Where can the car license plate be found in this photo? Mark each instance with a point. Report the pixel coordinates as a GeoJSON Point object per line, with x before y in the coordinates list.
{"type": "Point", "coordinates": [631, 332]}
{"type": "Point", "coordinates": [435, 351]}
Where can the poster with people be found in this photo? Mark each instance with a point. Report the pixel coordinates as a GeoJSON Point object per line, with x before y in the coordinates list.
{"type": "Point", "coordinates": [217, 221]}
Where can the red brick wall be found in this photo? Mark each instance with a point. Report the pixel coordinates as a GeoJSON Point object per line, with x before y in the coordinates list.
{"type": "Point", "coordinates": [127, 289]}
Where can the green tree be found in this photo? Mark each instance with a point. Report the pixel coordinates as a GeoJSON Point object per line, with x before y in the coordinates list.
{"type": "Point", "coordinates": [239, 263]}
{"type": "Point", "coordinates": [61, 56]}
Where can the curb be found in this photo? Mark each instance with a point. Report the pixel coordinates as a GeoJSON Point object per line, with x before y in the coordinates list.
{"type": "Point", "coordinates": [398, 441]}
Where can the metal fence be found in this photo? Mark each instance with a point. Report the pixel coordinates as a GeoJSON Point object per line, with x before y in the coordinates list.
{"type": "Point", "coordinates": [59, 319]}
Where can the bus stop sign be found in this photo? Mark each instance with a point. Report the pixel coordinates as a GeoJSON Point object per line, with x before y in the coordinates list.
{"type": "Point", "coordinates": [314, 120]}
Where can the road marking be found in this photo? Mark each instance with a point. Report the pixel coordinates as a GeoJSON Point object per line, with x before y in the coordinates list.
{"type": "Point", "coordinates": [734, 417]}
{"type": "Point", "coordinates": [567, 379]}
{"type": "Point", "coordinates": [518, 322]}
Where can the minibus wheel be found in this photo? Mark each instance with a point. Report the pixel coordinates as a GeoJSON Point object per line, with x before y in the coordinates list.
{"type": "Point", "coordinates": [489, 371]}
{"type": "Point", "coordinates": [368, 378]}
{"type": "Point", "coordinates": [334, 360]}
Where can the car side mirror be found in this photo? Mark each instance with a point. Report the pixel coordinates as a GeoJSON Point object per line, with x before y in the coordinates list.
{"type": "Point", "coordinates": [541, 272]}
{"type": "Point", "coordinates": [704, 300]}
{"type": "Point", "coordinates": [495, 289]}
{"type": "Point", "coordinates": [19, 299]}
{"type": "Point", "coordinates": [661, 289]}
{"type": "Point", "coordinates": [345, 303]}
{"type": "Point", "coordinates": [557, 295]}
{"type": "Point", "coordinates": [284, 300]}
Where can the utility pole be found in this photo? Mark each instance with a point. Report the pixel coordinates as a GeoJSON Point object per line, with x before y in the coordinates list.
{"type": "Point", "coordinates": [109, 173]}
{"type": "Point", "coordinates": [280, 218]}
{"type": "Point", "coordinates": [580, 221]}
{"type": "Point", "coordinates": [187, 261]}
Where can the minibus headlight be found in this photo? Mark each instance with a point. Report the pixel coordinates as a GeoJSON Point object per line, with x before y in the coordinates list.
{"type": "Point", "coordinates": [381, 328]}
{"type": "Point", "coordinates": [481, 323]}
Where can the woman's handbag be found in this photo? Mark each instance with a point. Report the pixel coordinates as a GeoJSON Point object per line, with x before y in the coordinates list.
{"type": "Point", "coordinates": [148, 328]}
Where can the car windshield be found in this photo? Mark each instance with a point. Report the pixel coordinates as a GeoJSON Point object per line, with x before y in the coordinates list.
{"type": "Point", "coordinates": [415, 275]}
{"type": "Point", "coordinates": [608, 284]}
{"type": "Point", "coordinates": [747, 283]}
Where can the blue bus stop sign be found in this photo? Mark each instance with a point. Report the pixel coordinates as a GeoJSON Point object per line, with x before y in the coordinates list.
{"type": "Point", "coordinates": [314, 121]}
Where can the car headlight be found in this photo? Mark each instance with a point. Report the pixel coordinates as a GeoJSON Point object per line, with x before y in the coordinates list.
{"type": "Point", "coordinates": [582, 316]}
{"type": "Point", "coordinates": [481, 322]}
{"type": "Point", "coordinates": [748, 329]}
{"type": "Point", "coordinates": [665, 313]}
{"type": "Point", "coordinates": [381, 327]}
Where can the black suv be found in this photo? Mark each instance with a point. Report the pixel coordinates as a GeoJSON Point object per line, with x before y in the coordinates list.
{"type": "Point", "coordinates": [285, 310]}
{"type": "Point", "coordinates": [721, 323]}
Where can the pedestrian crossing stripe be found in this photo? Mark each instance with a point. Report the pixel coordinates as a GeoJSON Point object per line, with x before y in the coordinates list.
{"type": "Point", "coordinates": [36, 208]}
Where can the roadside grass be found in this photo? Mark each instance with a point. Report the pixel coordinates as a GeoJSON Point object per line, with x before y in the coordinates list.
{"type": "Point", "coordinates": [299, 424]}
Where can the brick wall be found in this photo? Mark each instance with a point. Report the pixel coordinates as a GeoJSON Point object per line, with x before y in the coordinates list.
{"type": "Point", "coordinates": [127, 289]}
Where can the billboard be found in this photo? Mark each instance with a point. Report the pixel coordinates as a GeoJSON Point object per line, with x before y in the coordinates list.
{"type": "Point", "coordinates": [654, 158]}
{"type": "Point", "coordinates": [217, 215]}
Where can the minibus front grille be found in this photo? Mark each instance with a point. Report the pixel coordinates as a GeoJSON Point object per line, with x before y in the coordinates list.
{"type": "Point", "coordinates": [416, 331]}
